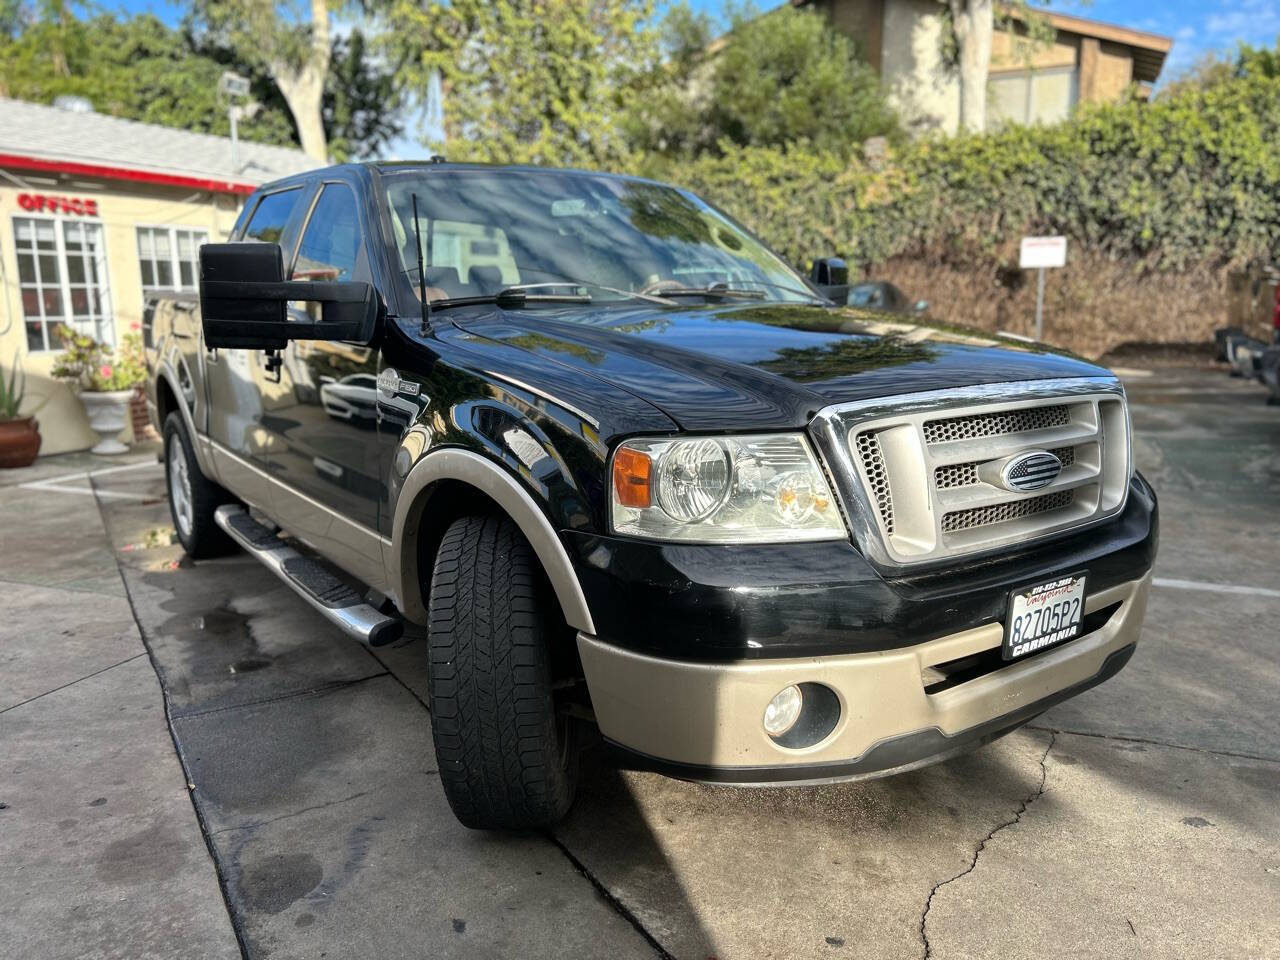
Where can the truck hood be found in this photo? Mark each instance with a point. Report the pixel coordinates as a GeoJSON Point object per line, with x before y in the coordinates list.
{"type": "Point", "coordinates": [764, 366]}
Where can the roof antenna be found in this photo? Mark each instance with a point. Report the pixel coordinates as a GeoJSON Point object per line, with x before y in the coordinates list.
{"type": "Point", "coordinates": [422, 274]}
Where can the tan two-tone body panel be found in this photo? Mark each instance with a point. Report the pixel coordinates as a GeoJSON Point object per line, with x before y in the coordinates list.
{"type": "Point", "coordinates": [709, 715]}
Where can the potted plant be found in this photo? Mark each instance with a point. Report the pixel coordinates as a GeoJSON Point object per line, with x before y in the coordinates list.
{"type": "Point", "coordinates": [19, 434]}
{"type": "Point", "coordinates": [104, 380]}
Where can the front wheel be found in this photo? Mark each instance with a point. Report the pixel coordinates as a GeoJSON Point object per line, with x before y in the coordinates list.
{"type": "Point", "coordinates": [506, 755]}
{"type": "Point", "coordinates": [193, 497]}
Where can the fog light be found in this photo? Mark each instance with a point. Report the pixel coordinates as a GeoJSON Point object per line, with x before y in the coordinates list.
{"type": "Point", "coordinates": [783, 711]}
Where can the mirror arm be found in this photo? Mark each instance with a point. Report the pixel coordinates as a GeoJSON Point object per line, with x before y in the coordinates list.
{"type": "Point", "coordinates": [324, 291]}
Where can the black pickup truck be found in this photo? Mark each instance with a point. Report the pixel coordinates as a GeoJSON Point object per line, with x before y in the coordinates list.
{"type": "Point", "coordinates": [629, 477]}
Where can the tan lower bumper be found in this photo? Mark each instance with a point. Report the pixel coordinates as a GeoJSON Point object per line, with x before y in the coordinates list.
{"type": "Point", "coordinates": [709, 714]}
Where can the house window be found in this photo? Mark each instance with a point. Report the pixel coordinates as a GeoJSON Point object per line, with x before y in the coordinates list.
{"type": "Point", "coordinates": [62, 274]}
{"type": "Point", "coordinates": [1039, 96]}
{"type": "Point", "coordinates": [169, 258]}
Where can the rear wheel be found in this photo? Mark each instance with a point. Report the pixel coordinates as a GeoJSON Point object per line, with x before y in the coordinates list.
{"type": "Point", "coordinates": [192, 496]}
{"type": "Point", "coordinates": [507, 756]}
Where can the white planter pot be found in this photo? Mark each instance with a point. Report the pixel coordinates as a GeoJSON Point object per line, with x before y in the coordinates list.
{"type": "Point", "coordinates": [107, 414]}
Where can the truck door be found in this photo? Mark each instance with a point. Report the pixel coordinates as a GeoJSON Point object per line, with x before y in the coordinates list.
{"type": "Point", "coordinates": [324, 450]}
{"type": "Point", "coordinates": [239, 386]}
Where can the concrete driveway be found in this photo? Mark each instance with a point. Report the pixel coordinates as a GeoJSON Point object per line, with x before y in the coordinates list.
{"type": "Point", "coordinates": [1141, 819]}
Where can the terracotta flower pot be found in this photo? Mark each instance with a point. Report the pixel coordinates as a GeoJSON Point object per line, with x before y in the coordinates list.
{"type": "Point", "coordinates": [107, 412]}
{"type": "Point", "coordinates": [19, 442]}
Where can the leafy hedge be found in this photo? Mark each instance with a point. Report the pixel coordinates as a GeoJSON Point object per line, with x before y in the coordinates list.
{"type": "Point", "coordinates": [1191, 179]}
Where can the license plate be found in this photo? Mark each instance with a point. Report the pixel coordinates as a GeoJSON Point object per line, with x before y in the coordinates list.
{"type": "Point", "coordinates": [1044, 615]}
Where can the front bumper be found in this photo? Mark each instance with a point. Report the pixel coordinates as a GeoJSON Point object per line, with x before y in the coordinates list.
{"type": "Point", "coordinates": [702, 721]}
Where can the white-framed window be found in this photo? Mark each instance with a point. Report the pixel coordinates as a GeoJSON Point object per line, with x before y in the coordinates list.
{"type": "Point", "coordinates": [62, 274]}
{"type": "Point", "coordinates": [169, 258]}
{"type": "Point", "coordinates": [1034, 96]}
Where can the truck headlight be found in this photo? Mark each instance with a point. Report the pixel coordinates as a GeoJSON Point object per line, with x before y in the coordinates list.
{"type": "Point", "coordinates": [748, 489]}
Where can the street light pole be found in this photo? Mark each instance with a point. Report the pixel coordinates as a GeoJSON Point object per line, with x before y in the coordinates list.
{"type": "Point", "coordinates": [234, 114]}
{"type": "Point", "coordinates": [235, 88]}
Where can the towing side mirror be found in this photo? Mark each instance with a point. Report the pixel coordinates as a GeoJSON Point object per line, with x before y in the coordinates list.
{"type": "Point", "coordinates": [244, 295]}
{"type": "Point", "coordinates": [830, 277]}
{"type": "Point", "coordinates": [829, 272]}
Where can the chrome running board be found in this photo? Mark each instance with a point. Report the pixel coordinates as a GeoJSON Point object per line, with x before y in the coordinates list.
{"type": "Point", "coordinates": [311, 579]}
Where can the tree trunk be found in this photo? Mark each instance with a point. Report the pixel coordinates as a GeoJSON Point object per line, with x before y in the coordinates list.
{"type": "Point", "coordinates": [303, 86]}
{"type": "Point", "coordinates": [973, 22]}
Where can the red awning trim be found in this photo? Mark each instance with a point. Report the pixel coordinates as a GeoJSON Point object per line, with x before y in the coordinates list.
{"type": "Point", "coordinates": [123, 173]}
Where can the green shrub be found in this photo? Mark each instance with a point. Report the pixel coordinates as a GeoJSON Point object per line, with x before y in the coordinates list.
{"type": "Point", "coordinates": [1185, 180]}
{"type": "Point", "coordinates": [1157, 199]}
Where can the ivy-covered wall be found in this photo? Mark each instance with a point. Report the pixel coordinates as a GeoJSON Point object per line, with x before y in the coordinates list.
{"type": "Point", "coordinates": [1156, 199]}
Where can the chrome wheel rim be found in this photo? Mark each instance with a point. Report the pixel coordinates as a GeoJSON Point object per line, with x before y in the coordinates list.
{"type": "Point", "coordinates": [180, 488]}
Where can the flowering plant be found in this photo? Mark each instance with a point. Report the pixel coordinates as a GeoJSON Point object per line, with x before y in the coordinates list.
{"type": "Point", "coordinates": [94, 367]}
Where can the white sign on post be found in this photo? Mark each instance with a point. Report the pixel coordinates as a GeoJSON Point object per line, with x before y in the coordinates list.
{"type": "Point", "coordinates": [1042, 253]}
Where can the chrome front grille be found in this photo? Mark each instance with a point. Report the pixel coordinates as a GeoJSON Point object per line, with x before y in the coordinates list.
{"type": "Point", "coordinates": [996, 424]}
{"type": "Point", "coordinates": [1000, 512]}
{"type": "Point", "coordinates": [965, 474]}
{"type": "Point", "coordinates": [924, 475]}
{"type": "Point", "coordinates": [877, 478]}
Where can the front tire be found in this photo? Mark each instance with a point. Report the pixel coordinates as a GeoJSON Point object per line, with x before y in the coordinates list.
{"type": "Point", "coordinates": [193, 497]}
{"type": "Point", "coordinates": [507, 758]}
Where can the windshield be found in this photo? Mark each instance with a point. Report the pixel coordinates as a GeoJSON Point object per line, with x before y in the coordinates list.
{"type": "Point", "coordinates": [483, 231]}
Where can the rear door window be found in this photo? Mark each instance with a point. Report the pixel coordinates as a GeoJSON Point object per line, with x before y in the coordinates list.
{"type": "Point", "coordinates": [272, 216]}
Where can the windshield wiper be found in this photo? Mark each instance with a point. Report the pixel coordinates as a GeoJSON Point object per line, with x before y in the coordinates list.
{"type": "Point", "coordinates": [722, 289]}
{"type": "Point", "coordinates": [713, 290]}
{"type": "Point", "coordinates": [782, 286]}
{"type": "Point", "coordinates": [516, 296]}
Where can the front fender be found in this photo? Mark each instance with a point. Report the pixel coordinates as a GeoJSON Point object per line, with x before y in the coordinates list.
{"type": "Point", "coordinates": [498, 484]}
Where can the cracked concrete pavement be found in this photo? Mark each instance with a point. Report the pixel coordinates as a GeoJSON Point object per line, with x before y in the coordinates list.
{"type": "Point", "coordinates": [1139, 819]}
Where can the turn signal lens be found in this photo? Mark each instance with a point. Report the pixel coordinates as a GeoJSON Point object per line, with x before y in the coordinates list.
{"type": "Point", "coordinates": [632, 471]}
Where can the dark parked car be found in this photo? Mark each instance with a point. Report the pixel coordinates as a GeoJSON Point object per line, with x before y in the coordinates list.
{"type": "Point", "coordinates": [883, 296]}
{"type": "Point", "coordinates": [629, 474]}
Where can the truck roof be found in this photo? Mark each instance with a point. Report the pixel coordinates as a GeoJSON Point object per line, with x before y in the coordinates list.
{"type": "Point", "coordinates": [439, 163]}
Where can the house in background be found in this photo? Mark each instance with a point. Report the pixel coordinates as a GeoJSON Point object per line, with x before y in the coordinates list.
{"type": "Point", "coordinates": [1085, 62]}
{"type": "Point", "coordinates": [98, 213]}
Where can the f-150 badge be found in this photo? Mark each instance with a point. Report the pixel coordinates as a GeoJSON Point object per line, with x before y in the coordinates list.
{"type": "Point", "coordinates": [390, 385]}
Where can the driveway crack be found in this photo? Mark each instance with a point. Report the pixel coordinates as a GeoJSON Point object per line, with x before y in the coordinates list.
{"type": "Point", "coordinates": [973, 864]}
{"type": "Point", "coordinates": [72, 683]}
{"type": "Point", "coordinates": [286, 816]}
{"type": "Point", "coordinates": [604, 893]}
{"type": "Point", "coordinates": [1156, 743]}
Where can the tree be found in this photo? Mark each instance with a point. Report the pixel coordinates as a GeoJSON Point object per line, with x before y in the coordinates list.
{"type": "Point", "coordinates": [525, 81]}
{"type": "Point", "coordinates": [970, 25]}
{"type": "Point", "coordinates": [973, 22]}
{"type": "Point", "coordinates": [291, 44]}
{"type": "Point", "coordinates": [772, 80]}
{"type": "Point", "coordinates": [1208, 70]}
{"type": "Point", "coordinates": [137, 68]}
{"type": "Point", "coordinates": [141, 69]}
{"type": "Point", "coordinates": [360, 102]}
